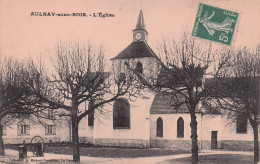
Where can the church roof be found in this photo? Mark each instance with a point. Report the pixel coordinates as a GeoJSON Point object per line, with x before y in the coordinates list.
{"type": "Point", "coordinates": [163, 104]}
{"type": "Point", "coordinates": [226, 86]}
{"type": "Point", "coordinates": [136, 50]}
{"type": "Point", "coordinates": [140, 22]}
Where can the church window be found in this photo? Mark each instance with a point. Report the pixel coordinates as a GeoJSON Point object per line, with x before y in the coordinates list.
{"type": "Point", "coordinates": [121, 114]}
{"type": "Point", "coordinates": [139, 67]}
{"type": "Point", "coordinates": [159, 127]}
{"type": "Point", "coordinates": [241, 123]}
{"type": "Point", "coordinates": [91, 119]}
{"type": "Point", "coordinates": [180, 128]}
{"type": "Point", "coordinates": [91, 114]}
{"type": "Point", "coordinates": [122, 77]}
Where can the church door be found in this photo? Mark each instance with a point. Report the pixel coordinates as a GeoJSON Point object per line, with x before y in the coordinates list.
{"type": "Point", "coordinates": [214, 139]}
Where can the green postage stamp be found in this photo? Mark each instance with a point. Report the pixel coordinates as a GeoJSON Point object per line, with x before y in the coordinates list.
{"type": "Point", "coordinates": [215, 24]}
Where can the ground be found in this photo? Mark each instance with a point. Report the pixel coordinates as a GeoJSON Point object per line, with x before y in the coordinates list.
{"type": "Point", "coordinates": [216, 158]}
{"type": "Point", "coordinates": [116, 152]}
{"type": "Point", "coordinates": [55, 152]}
{"type": "Point", "coordinates": [111, 152]}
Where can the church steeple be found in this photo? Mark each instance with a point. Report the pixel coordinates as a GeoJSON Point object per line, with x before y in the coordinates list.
{"type": "Point", "coordinates": [140, 33]}
{"type": "Point", "coordinates": [140, 22]}
{"type": "Point", "coordinates": [138, 55]}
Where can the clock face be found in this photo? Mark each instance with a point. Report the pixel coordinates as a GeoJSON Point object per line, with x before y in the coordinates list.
{"type": "Point", "coordinates": [138, 36]}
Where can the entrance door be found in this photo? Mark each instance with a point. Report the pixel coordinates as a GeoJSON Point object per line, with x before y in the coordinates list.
{"type": "Point", "coordinates": [214, 139]}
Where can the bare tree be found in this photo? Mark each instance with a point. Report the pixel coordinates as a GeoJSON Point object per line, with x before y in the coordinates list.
{"type": "Point", "coordinates": [185, 64]}
{"type": "Point", "coordinates": [236, 90]}
{"type": "Point", "coordinates": [17, 99]}
{"type": "Point", "coordinates": [79, 77]}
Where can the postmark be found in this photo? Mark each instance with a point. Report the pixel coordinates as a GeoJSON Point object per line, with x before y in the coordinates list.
{"type": "Point", "coordinates": [215, 24]}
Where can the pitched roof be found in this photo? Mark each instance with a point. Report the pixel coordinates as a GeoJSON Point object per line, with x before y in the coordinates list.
{"type": "Point", "coordinates": [170, 78]}
{"type": "Point", "coordinates": [136, 50]}
{"type": "Point", "coordinates": [163, 104]}
{"type": "Point", "coordinates": [227, 86]}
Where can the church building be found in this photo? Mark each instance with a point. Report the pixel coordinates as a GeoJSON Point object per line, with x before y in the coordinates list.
{"type": "Point", "coordinates": [151, 121]}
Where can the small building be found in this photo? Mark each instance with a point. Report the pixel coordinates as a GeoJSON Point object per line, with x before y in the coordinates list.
{"type": "Point", "coordinates": [23, 130]}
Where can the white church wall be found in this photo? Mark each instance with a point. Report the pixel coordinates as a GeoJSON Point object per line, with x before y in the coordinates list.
{"type": "Point", "coordinates": [236, 141]}
{"type": "Point", "coordinates": [170, 138]}
{"type": "Point", "coordinates": [227, 136]}
{"type": "Point", "coordinates": [86, 133]}
{"type": "Point", "coordinates": [229, 129]}
{"type": "Point", "coordinates": [170, 126]}
{"type": "Point", "coordinates": [211, 123]}
{"type": "Point", "coordinates": [139, 133]}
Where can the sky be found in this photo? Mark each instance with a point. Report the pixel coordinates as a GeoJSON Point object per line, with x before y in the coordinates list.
{"type": "Point", "coordinates": [23, 35]}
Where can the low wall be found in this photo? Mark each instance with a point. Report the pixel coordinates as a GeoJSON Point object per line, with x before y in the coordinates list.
{"type": "Point", "coordinates": [205, 144]}
{"type": "Point", "coordinates": [86, 140]}
{"type": "Point", "coordinates": [173, 144]}
{"type": "Point", "coordinates": [131, 143]}
{"type": "Point", "coordinates": [181, 144]}
{"type": "Point", "coordinates": [237, 145]}
{"type": "Point", "coordinates": [28, 140]}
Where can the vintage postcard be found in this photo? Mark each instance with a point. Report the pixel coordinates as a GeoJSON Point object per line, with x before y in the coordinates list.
{"type": "Point", "coordinates": [129, 81]}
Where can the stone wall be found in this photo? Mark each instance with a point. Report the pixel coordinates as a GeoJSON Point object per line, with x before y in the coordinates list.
{"type": "Point", "coordinates": [131, 143]}
{"type": "Point", "coordinates": [237, 145]}
{"type": "Point", "coordinates": [86, 140]}
{"type": "Point", "coordinates": [206, 145]}
{"type": "Point", "coordinates": [28, 140]}
{"type": "Point", "coordinates": [173, 144]}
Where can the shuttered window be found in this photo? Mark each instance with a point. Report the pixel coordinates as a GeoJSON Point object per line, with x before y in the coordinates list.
{"type": "Point", "coordinates": [50, 130]}
{"type": "Point", "coordinates": [50, 114]}
{"type": "Point", "coordinates": [23, 129]}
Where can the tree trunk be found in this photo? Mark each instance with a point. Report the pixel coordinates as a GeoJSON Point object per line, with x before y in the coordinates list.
{"type": "Point", "coordinates": [256, 144]}
{"type": "Point", "coordinates": [75, 137]}
{"type": "Point", "coordinates": [194, 138]}
{"type": "Point", "coordinates": [2, 150]}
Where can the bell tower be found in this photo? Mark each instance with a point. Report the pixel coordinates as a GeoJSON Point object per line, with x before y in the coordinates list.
{"type": "Point", "coordinates": [138, 55]}
{"type": "Point", "coordinates": [140, 33]}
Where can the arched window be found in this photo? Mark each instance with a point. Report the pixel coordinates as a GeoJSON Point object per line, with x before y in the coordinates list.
{"type": "Point", "coordinates": [91, 114]}
{"type": "Point", "coordinates": [159, 127]}
{"type": "Point", "coordinates": [241, 123]}
{"type": "Point", "coordinates": [91, 119]}
{"type": "Point", "coordinates": [121, 114]}
{"type": "Point", "coordinates": [180, 127]}
{"type": "Point", "coordinates": [122, 77]}
{"type": "Point", "coordinates": [139, 67]}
